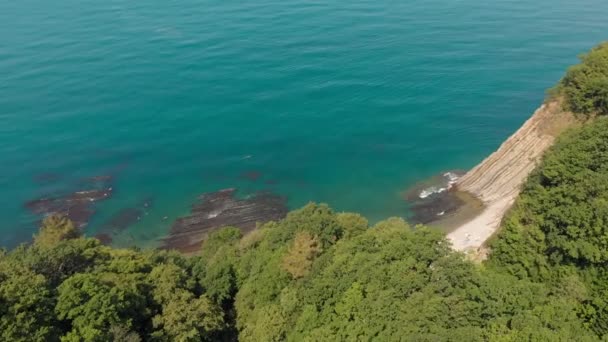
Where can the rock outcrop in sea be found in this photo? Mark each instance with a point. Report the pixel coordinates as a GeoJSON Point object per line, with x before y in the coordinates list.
{"type": "Point", "coordinates": [77, 206]}
{"type": "Point", "coordinates": [221, 209]}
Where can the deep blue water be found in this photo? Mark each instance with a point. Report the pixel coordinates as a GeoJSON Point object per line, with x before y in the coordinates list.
{"type": "Point", "coordinates": [344, 102]}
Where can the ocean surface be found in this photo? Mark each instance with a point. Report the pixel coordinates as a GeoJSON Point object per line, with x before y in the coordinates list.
{"type": "Point", "coordinates": [344, 102]}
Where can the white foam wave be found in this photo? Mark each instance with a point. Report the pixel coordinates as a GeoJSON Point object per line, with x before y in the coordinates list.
{"type": "Point", "coordinates": [430, 191]}
{"type": "Point", "coordinates": [214, 214]}
{"type": "Point", "coordinates": [451, 179]}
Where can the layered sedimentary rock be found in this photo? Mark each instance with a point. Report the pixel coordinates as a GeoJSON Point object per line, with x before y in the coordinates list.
{"type": "Point", "coordinates": [77, 206]}
{"type": "Point", "coordinates": [498, 179]}
{"type": "Point", "coordinates": [221, 209]}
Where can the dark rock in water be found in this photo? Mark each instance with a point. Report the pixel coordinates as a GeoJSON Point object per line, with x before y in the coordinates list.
{"type": "Point", "coordinates": [251, 175]}
{"type": "Point", "coordinates": [271, 182]}
{"type": "Point", "coordinates": [42, 205]}
{"type": "Point", "coordinates": [127, 217]}
{"type": "Point", "coordinates": [79, 213]}
{"type": "Point", "coordinates": [105, 239]}
{"type": "Point", "coordinates": [434, 198]}
{"type": "Point", "coordinates": [435, 207]}
{"type": "Point", "coordinates": [89, 195]}
{"type": "Point", "coordinates": [221, 209]}
{"type": "Point", "coordinates": [123, 219]}
{"type": "Point", "coordinates": [77, 206]}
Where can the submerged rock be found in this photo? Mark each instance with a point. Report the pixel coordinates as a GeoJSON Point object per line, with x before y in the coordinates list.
{"type": "Point", "coordinates": [42, 205]}
{"type": "Point", "coordinates": [80, 213]}
{"type": "Point", "coordinates": [77, 206]}
{"type": "Point", "coordinates": [105, 239]}
{"type": "Point", "coordinates": [220, 209]}
{"type": "Point", "coordinates": [89, 195]}
{"type": "Point", "coordinates": [127, 217]}
{"type": "Point", "coordinates": [434, 199]}
{"type": "Point", "coordinates": [123, 219]}
{"type": "Point", "coordinates": [433, 208]}
{"type": "Point", "coordinates": [251, 175]}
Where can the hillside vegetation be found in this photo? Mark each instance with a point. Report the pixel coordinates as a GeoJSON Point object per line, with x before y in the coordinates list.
{"type": "Point", "coordinates": [585, 85]}
{"type": "Point", "coordinates": [314, 276]}
{"type": "Point", "coordinates": [557, 231]}
{"type": "Point", "coordinates": [318, 275]}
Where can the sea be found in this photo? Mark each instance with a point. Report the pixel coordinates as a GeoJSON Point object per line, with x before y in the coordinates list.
{"type": "Point", "coordinates": [348, 103]}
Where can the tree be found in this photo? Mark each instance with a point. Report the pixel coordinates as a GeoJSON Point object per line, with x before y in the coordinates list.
{"type": "Point", "coordinates": [187, 318]}
{"type": "Point", "coordinates": [26, 306]}
{"type": "Point", "coordinates": [301, 254]}
{"type": "Point", "coordinates": [586, 85]}
{"type": "Point", "coordinates": [352, 224]}
{"type": "Point", "coordinates": [54, 229]}
{"type": "Point", "coordinates": [215, 270]}
{"type": "Point", "coordinates": [120, 333]}
{"type": "Point", "coordinates": [556, 230]}
{"type": "Point", "coordinates": [94, 302]}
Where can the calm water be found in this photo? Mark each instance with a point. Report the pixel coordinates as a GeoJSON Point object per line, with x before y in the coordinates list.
{"type": "Point", "coordinates": [345, 102]}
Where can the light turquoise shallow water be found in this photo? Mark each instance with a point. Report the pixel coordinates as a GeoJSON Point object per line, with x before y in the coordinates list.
{"type": "Point", "coordinates": [345, 102]}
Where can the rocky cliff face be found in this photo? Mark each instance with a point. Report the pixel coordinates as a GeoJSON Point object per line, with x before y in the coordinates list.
{"type": "Point", "coordinates": [504, 171]}
{"type": "Point", "coordinates": [498, 179]}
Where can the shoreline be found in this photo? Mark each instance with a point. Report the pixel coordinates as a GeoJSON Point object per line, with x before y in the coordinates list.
{"type": "Point", "coordinates": [497, 180]}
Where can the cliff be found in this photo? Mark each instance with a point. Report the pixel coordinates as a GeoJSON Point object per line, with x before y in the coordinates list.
{"type": "Point", "coordinates": [497, 180]}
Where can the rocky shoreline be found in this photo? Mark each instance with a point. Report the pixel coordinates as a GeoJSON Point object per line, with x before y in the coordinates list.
{"type": "Point", "coordinates": [213, 210]}
{"type": "Point", "coordinates": [498, 179]}
{"type": "Point", "coordinates": [470, 205]}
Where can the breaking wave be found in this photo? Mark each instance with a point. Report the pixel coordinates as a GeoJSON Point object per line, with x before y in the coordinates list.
{"type": "Point", "coordinates": [450, 179]}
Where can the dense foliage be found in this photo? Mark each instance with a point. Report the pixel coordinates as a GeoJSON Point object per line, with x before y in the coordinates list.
{"type": "Point", "coordinates": [585, 85]}
{"type": "Point", "coordinates": [314, 276]}
{"type": "Point", "coordinates": [557, 232]}
{"type": "Point", "coordinates": [73, 289]}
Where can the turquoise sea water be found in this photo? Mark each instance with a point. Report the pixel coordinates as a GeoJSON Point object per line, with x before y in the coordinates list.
{"type": "Point", "coordinates": [345, 102]}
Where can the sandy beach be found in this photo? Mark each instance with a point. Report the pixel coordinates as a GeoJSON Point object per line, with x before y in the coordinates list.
{"type": "Point", "coordinates": [472, 234]}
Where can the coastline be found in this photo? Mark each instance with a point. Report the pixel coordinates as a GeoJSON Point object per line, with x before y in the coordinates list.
{"type": "Point", "coordinates": [498, 179]}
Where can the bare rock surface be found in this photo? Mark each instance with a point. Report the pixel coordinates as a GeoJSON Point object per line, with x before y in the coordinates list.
{"type": "Point", "coordinates": [498, 179]}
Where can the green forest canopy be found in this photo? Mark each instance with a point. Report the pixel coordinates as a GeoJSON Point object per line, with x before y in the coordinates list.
{"type": "Point", "coordinates": [585, 85]}
{"type": "Point", "coordinates": [318, 275]}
